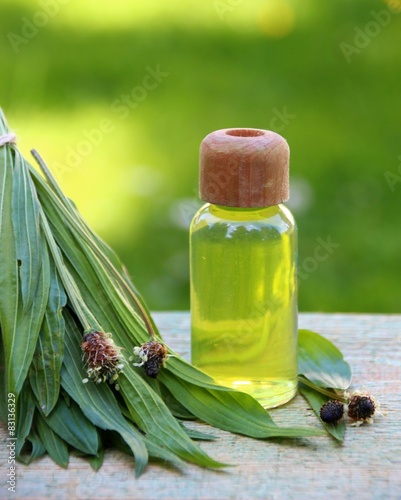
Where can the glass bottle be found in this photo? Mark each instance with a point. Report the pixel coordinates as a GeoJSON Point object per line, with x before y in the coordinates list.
{"type": "Point", "coordinates": [243, 250]}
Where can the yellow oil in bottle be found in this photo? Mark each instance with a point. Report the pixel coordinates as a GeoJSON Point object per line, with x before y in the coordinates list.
{"type": "Point", "coordinates": [244, 299]}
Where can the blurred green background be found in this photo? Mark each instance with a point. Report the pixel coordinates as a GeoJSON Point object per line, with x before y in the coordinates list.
{"type": "Point", "coordinates": [117, 97]}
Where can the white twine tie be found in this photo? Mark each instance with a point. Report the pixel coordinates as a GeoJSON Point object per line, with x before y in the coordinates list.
{"type": "Point", "coordinates": [9, 138]}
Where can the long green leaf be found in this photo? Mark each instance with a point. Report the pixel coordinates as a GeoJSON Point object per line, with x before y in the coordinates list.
{"type": "Point", "coordinates": [116, 441]}
{"type": "Point", "coordinates": [99, 404]}
{"type": "Point", "coordinates": [198, 435]}
{"type": "Point", "coordinates": [9, 281]}
{"type": "Point", "coordinates": [48, 358]}
{"type": "Point", "coordinates": [25, 412]}
{"type": "Point", "coordinates": [70, 424]}
{"type": "Point", "coordinates": [97, 401]}
{"type": "Point", "coordinates": [25, 216]}
{"type": "Point", "coordinates": [316, 400]}
{"type": "Point", "coordinates": [55, 446]}
{"type": "Point", "coordinates": [153, 417]}
{"type": "Point", "coordinates": [176, 408]}
{"type": "Point", "coordinates": [29, 323]}
{"type": "Point", "coordinates": [230, 410]}
{"type": "Point", "coordinates": [96, 461]}
{"type": "Point", "coordinates": [185, 371]}
{"type": "Point", "coordinates": [37, 449]}
{"type": "Point", "coordinates": [73, 292]}
{"type": "Point", "coordinates": [321, 362]}
{"type": "Point", "coordinates": [24, 281]}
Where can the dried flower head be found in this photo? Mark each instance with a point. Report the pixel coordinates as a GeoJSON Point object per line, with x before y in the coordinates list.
{"type": "Point", "coordinates": [332, 411]}
{"type": "Point", "coordinates": [153, 355]}
{"type": "Point", "coordinates": [103, 357]}
{"type": "Point", "coordinates": [362, 407]}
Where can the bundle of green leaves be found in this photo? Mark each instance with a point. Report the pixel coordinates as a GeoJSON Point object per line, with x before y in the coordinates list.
{"type": "Point", "coordinates": [71, 318]}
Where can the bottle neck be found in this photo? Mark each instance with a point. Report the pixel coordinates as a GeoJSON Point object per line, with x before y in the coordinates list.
{"type": "Point", "coordinates": [246, 213]}
{"type": "Point", "coordinates": [241, 209]}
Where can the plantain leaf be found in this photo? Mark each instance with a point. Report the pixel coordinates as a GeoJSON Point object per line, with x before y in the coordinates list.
{"type": "Point", "coordinates": [97, 401]}
{"type": "Point", "coordinates": [316, 400]}
{"type": "Point", "coordinates": [153, 417]}
{"type": "Point", "coordinates": [25, 412]}
{"type": "Point", "coordinates": [96, 461]}
{"type": "Point", "coordinates": [70, 424]}
{"type": "Point", "coordinates": [176, 408]}
{"type": "Point", "coordinates": [22, 276]}
{"type": "Point", "coordinates": [86, 317]}
{"type": "Point", "coordinates": [48, 358]}
{"type": "Point", "coordinates": [37, 449]}
{"type": "Point", "coordinates": [321, 362]}
{"type": "Point", "coordinates": [29, 323]}
{"type": "Point", "coordinates": [194, 434]}
{"type": "Point", "coordinates": [55, 446]}
{"type": "Point", "coordinates": [25, 217]}
{"type": "Point", "coordinates": [189, 373]}
{"type": "Point", "coordinates": [8, 266]}
{"type": "Point", "coordinates": [229, 410]}
{"type": "Point", "coordinates": [116, 441]}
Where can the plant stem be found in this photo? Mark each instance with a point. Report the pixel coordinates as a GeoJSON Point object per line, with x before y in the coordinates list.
{"type": "Point", "coordinates": [85, 316]}
{"type": "Point", "coordinates": [80, 226]}
{"type": "Point", "coordinates": [327, 392]}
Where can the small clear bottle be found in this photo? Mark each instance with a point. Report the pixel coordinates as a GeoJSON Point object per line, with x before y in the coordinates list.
{"type": "Point", "coordinates": [243, 251]}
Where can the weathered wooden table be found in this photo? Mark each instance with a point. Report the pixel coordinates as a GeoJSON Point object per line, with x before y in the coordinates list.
{"type": "Point", "coordinates": [366, 466]}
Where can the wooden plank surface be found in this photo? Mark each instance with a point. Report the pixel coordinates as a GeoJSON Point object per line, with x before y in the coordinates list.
{"type": "Point", "coordinates": [366, 466]}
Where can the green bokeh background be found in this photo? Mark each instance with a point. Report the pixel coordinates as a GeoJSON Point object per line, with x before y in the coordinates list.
{"type": "Point", "coordinates": [326, 75]}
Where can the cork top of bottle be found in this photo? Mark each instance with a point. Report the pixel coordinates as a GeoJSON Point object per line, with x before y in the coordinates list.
{"type": "Point", "coordinates": [244, 167]}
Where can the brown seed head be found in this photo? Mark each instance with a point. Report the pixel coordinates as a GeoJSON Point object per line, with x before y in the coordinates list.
{"type": "Point", "coordinates": [361, 407]}
{"type": "Point", "coordinates": [153, 355]}
{"type": "Point", "coordinates": [103, 357]}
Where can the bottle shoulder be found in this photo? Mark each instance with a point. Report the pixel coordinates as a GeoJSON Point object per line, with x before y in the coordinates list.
{"type": "Point", "coordinates": [268, 222]}
{"type": "Point", "coordinates": [277, 215]}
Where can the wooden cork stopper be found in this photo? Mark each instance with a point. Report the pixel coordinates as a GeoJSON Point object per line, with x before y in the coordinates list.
{"type": "Point", "coordinates": [244, 167]}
